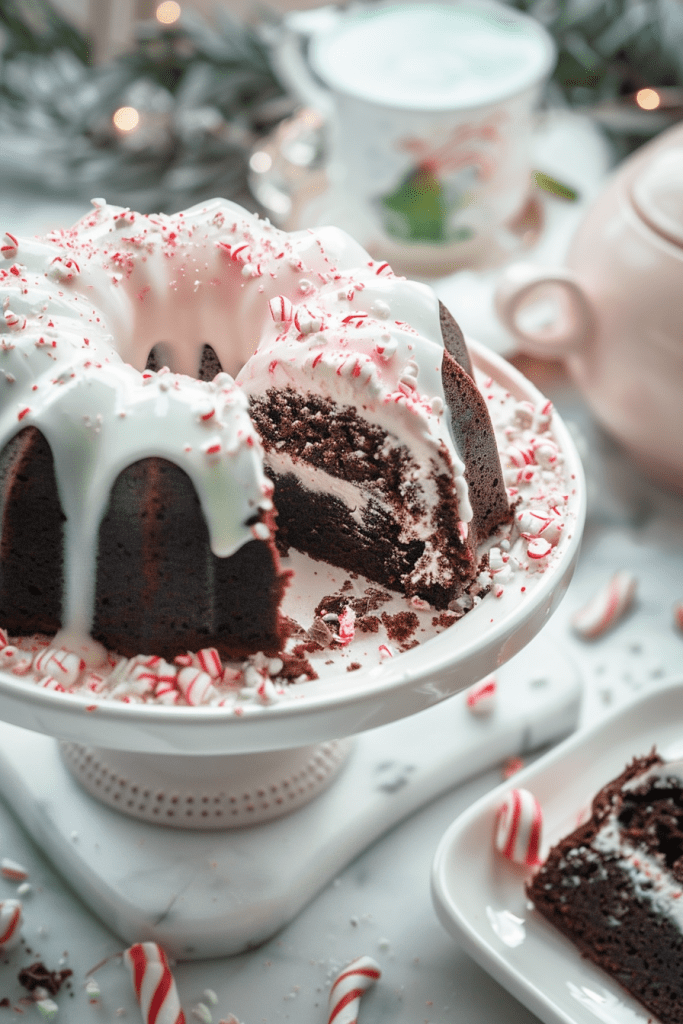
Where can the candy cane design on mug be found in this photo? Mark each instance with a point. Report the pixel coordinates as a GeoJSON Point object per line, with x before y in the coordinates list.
{"type": "Point", "coordinates": [519, 824]}
{"type": "Point", "coordinates": [154, 984]}
{"type": "Point", "coordinates": [607, 606]}
{"type": "Point", "coordinates": [348, 988]}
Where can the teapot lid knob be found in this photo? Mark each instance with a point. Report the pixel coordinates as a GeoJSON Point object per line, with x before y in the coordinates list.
{"type": "Point", "coordinates": [657, 194]}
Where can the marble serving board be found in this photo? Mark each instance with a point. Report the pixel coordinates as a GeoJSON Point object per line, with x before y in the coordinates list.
{"type": "Point", "coordinates": [210, 894]}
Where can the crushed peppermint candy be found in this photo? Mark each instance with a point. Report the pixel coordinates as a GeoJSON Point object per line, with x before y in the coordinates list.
{"type": "Point", "coordinates": [10, 869]}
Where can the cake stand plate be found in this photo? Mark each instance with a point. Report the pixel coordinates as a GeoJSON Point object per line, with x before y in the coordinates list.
{"type": "Point", "coordinates": [205, 894]}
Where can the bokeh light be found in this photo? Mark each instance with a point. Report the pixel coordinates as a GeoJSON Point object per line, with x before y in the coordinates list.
{"type": "Point", "coordinates": [648, 99]}
{"type": "Point", "coordinates": [126, 119]}
{"type": "Point", "coordinates": [168, 12]}
{"type": "Point", "coordinates": [260, 162]}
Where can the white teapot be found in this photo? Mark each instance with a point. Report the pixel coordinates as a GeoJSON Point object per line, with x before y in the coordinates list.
{"type": "Point", "coordinates": [617, 307]}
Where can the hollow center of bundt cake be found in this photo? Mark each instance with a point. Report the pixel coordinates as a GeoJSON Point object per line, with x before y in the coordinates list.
{"type": "Point", "coordinates": [209, 363]}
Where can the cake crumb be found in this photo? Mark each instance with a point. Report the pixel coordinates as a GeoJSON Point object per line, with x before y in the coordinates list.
{"type": "Point", "coordinates": [444, 620]}
{"type": "Point", "coordinates": [400, 627]}
{"type": "Point", "coordinates": [37, 975]}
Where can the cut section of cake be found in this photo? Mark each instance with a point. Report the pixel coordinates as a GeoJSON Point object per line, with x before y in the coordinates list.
{"type": "Point", "coordinates": [614, 886]}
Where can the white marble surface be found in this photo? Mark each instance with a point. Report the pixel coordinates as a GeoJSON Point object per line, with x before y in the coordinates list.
{"type": "Point", "coordinates": [380, 904]}
{"type": "Point", "coordinates": [209, 893]}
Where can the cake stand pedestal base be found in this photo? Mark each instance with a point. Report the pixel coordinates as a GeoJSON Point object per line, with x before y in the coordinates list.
{"type": "Point", "coordinates": [211, 792]}
{"type": "Point", "coordinates": [209, 893]}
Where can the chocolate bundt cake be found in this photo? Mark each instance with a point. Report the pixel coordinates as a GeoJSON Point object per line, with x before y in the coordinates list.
{"type": "Point", "coordinates": [140, 483]}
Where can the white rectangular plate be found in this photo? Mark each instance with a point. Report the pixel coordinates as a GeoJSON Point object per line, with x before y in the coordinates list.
{"type": "Point", "coordinates": [479, 895]}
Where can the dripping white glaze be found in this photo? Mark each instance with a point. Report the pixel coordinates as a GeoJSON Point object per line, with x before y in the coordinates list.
{"type": "Point", "coordinates": [84, 307]}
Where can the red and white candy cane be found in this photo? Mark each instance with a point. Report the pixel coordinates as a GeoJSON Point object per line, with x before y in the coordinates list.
{"type": "Point", "coordinates": [481, 698]}
{"type": "Point", "coordinates": [606, 607]}
{"type": "Point", "coordinates": [519, 825]}
{"type": "Point", "coordinates": [347, 990]}
{"type": "Point", "coordinates": [678, 615]}
{"type": "Point", "coordinates": [10, 923]}
{"type": "Point", "coordinates": [154, 984]}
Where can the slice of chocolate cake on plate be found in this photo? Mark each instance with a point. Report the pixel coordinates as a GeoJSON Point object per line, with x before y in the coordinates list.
{"type": "Point", "coordinates": [614, 886]}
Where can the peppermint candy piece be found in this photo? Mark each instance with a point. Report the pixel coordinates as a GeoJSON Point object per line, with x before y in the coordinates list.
{"type": "Point", "coordinates": [481, 698]}
{"type": "Point", "coordinates": [154, 985]}
{"type": "Point", "coordinates": [678, 615]}
{"type": "Point", "coordinates": [307, 322]}
{"type": "Point", "coordinates": [538, 547]}
{"type": "Point", "coordinates": [281, 309]}
{"type": "Point", "coordinates": [519, 824]}
{"type": "Point", "coordinates": [606, 607]}
{"type": "Point", "coordinates": [47, 1008]}
{"type": "Point", "coordinates": [347, 626]}
{"type": "Point", "coordinates": [63, 268]}
{"type": "Point", "coordinates": [348, 989]}
{"type": "Point", "coordinates": [92, 990]}
{"type": "Point", "coordinates": [209, 661]}
{"type": "Point", "coordinates": [10, 869]}
{"type": "Point", "coordinates": [60, 664]}
{"type": "Point", "coordinates": [15, 321]}
{"type": "Point", "coordinates": [9, 247]}
{"type": "Point", "coordinates": [196, 686]}
{"type": "Point", "coordinates": [10, 923]}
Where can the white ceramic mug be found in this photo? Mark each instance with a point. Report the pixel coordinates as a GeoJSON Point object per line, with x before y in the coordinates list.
{"type": "Point", "coordinates": [431, 112]}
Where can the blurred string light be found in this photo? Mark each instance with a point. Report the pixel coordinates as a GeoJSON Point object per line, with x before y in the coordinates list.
{"type": "Point", "coordinates": [126, 119]}
{"type": "Point", "coordinates": [168, 12]}
{"type": "Point", "coordinates": [648, 99]}
{"type": "Point", "coordinates": [260, 162]}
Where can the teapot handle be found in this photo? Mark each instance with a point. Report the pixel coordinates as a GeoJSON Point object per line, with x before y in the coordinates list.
{"type": "Point", "coordinates": [523, 286]}
{"type": "Point", "coordinates": [287, 51]}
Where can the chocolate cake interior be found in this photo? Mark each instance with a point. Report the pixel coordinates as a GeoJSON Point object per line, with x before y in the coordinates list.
{"type": "Point", "coordinates": [614, 886]}
{"type": "Point", "coordinates": [348, 495]}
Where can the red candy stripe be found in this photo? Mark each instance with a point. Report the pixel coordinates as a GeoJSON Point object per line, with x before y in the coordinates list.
{"type": "Point", "coordinates": [281, 309]}
{"type": "Point", "coordinates": [606, 607]}
{"type": "Point", "coordinates": [678, 615]}
{"type": "Point", "coordinates": [209, 660]}
{"type": "Point", "coordinates": [518, 828]}
{"type": "Point", "coordinates": [10, 923]}
{"type": "Point", "coordinates": [154, 985]}
{"type": "Point", "coordinates": [347, 990]}
{"type": "Point", "coordinates": [481, 698]}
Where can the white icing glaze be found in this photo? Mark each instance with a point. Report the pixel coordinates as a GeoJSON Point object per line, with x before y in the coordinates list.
{"type": "Point", "coordinates": [658, 773]}
{"type": "Point", "coordinates": [83, 308]}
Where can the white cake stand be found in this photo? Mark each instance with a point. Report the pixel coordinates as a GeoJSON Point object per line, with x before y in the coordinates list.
{"type": "Point", "coordinates": [207, 768]}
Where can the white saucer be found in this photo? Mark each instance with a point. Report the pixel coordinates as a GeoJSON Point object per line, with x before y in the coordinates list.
{"type": "Point", "coordinates": [479, 896]}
